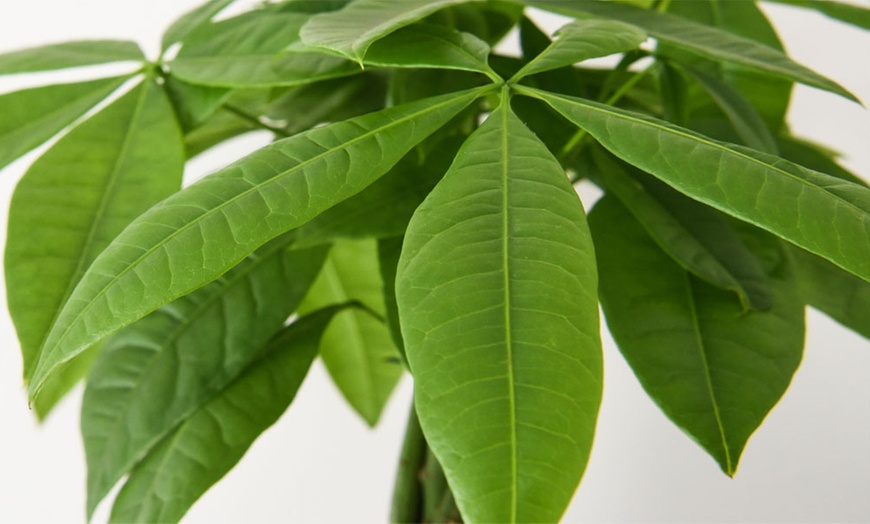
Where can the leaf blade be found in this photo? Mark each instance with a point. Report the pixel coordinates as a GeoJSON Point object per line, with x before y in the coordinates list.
{"type": "Point", "coordinates": [69, 54]}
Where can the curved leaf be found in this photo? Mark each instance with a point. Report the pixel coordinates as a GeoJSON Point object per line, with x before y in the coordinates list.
{"type": "Point", "coordinates": [157, 372]}
{"type": "Point", "coordinates": [211, 440]}
{"type": "Point", "coordinates": [844, 12]}
{"type": "Point", "coordinates": [69, 54]}
{"type": "Point", "coordinates": [199, 233]}
{"type": "Point", "coordinates": [191, 21]}
{"type": "Point", "coordinates": [78, 196]}
{"type": "Point", "coordinates": [793, 202]}
{"type": "Point", "coordinates": [32, 116]}
{"type": "Point", "coordinates": [709, 42]}
{"type": "Point", "coordinates": [715, 370]}
{"type": "Point", "coordinates": [582, 40]}
{"type": "Point", "coordinates": [496, 292]}
{"type": "Point", "coordinates": [350, 31]}
{"type": "Point", "coordinates": [357, 348]}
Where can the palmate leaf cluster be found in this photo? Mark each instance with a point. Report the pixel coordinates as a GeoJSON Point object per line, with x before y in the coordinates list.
{"type": "Point", "coordinates": [416, 212]}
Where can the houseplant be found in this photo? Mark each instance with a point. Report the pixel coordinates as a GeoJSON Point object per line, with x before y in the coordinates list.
{"type": "Point", "coordinates": [653, 92]}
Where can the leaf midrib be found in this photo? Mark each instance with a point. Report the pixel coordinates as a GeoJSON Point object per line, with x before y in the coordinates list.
{"type": "Point", "coordinates": [245, 193]}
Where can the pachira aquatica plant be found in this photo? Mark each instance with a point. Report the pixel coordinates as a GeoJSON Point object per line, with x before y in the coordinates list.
{"type": "Point", "coordinates": [417, 213]}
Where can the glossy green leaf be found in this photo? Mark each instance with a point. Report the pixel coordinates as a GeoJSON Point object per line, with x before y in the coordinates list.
{"type": "Point", "coordinates": [706, 41]}
{"type": "Point", "coordinates": [78, 196]}
{"type": "Point", "coordinates": [389, 251]}
{"type": "Point", "coordinates": [157, 372]}
{"type": "Point", "coordinates": [191, 21]}
{"type": "Point", "coordinates": [849, 13]}
{"type": "Point", "coordinates": [357, 348]}
{"type": "Point", "coordinates": [582, 40]}
{"type": "Point", "coordinates": [353, 29]}
{"type": "Point", "coordinates": [252, 51]}
{"type": "Point", "coordinates": [496, 289]}
{"type": "Point", "coordinates": [715, 370]}
{"type": "Point", "coordinates": [69, 54]}
{"type": "Point", "coordinates": [834, 292]}
{"type": "Point", "coordinates": [816, 157]}
{"type": "Point", "coordinates": [795, 203]}
{"type": "Point", "coordinates": [59, 385]}
{"type": "Point", "coordinates": [714, 254]}
{"type": "Point", "coordinates": [199, 233]}
{"type": "Point", "coordinates": [433, 46]}
{"type": "Point", "coordinates": [214, 438]}
{"type": "Point", "coordinates": [32, 116]}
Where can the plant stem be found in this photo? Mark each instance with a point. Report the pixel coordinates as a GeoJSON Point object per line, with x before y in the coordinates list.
{"type": "Point", "coordinates": [407, 490]}
{"type": "Point", "coordinates": [244, 115]}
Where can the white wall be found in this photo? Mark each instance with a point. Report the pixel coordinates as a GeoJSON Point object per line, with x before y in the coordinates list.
{"type": "Point", "coordinates": [810, 462]}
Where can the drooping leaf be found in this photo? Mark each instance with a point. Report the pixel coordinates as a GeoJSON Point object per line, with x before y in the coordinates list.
{"type": "Point", "coordinates": [715, 370]}
{"type": "Point", "coordinates": [214, 438]}
{"type": "Point", "coordinates": [836, 293]}
{"type": "Point", "coordinates": [32, 116]}
{"type": "Point", "coordinates": [844, 12]}
{"type": "Point", "coordinates": [199, 233]}
{"type": "Point", "coordinates": [433, 46]}
{"type": "Point", "coordinates": [58, 386]}
{"type": "Point", "coordinates": [69, 54]}
{"type": "Point", "coordinates": [77, 197]}
{"type": "Point", "coordinates": [706, 41]}
{"type": "Point", "coordinates": [582, 40]}
{"type": "Point", "coordinates": [795, 203]}
{"type": "Point", "coordinates": [157, 372]}
{"type": "Point", "coordinates": [816, 157]}
{"type": "Point", "coordinates": [252, 51]}
{"type": "Point", "coordinates": [353, 29]}
{"type": "Point", "coordinates": [357, 348]}
{"type": "Point", "coordinates": [496, 292]}
{"type": "Point", "coordinates": [389, 251]}
{"type": "Point", "coordinates": [191, 21]}
{"type": "Point", "coordinates": [714, 254]}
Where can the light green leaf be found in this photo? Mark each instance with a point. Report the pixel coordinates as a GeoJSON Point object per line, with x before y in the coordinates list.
{"type": "Point", "coordinates": [69, 54]}
{"type": "Point", "coordinates": [32, 116]}
{"type": "Point", "coordinates": [191, 21]}
{"type": "Point", "coordinates": [844, 12]}
{"type": "Point", "coordinates": [252, 51]}
{"type": "Point", "coordinates": [715, 370]}
{"type": "Point", "coordinates": [195, 104]}
{"type": "Point", "coordinates": [357, 348]}
{"type": "Point", "coordinates": [713, 253]}
{"type": "Point", "coordinates": [211, 440]}
{"type": "Point", "coordinates": [199, 233]}
{"type": "Point", "coordinates": [157, 372]}
{"type": "Point", "coordinates": [582, 40]}
{"type": "Point", "coordinates": [389, 251]}
{"type": "Point", "coordinates": [838, 294]}
{"type": "Point", "coordinates": [706, 41]}
{"type": "Point", "coordinates": [58, 386]}
{"type": "Point", "coordinates": [497, 298]}
{"type": "Point", "coordinates": [353, 29]}
{"type": "Point", "coordinates": [78, 196]}
{"type": "Point", "coordinates": [432, 46]}
{"type": "Point", "coordinates": [795, 203]}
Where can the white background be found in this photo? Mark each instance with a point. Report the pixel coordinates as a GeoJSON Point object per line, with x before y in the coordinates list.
{"type": "Point", "coordinates": [810, 462]}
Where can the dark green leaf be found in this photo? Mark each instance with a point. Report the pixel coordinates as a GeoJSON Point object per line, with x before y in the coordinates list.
{"type": "Point", "coordinates": [32, 116]}
{"type": "Point", "coordinates": [795, 203]}
{"type": "Point", "coordinates": [199, 233]}
{"type": "Point", "coordinates": [211, 440]}
{"type": "Point", "coordinates": [715, 370]}
{"type": "Point", "coordinates": [357, 348]}
{"type": "Point", "coordinates": [389, 250]}
{"type": "Point", "coordinates": [157, 372]}
{"type": "Point", "coordinates": [814, 156]}
{"type": "Point", "coordinates": [69, 54]}
{"type": "Point", "coordinates": [496, 292]}
{"type": "Point", "coordinates": [195, 104]}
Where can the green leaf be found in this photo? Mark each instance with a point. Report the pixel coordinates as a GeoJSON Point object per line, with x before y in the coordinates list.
{"type": "Point", "coordinates": [816, 157]}
{"type": "Point", "coordinates": [58, 386]}
{"type": "Point", "coordinates": [353, 29]}
{"type": "Point", "coordinates": [582, 40]}
{"type": "Point", "coordinates": [252, 51]}
{"type": "Point", "coordinates": [840, 295]}
{"type": "Point", "coordinates": [496, 291]}
{"type": "Point", "coordinates": [844, 12]}
{"type": "Point", "coordinates": [795, 203]}
{"type": "Point", "coordinates": [196, 235]}
{"type": "Point", "coordinates": [195, 104]}
{"type": "Point", "coordinates": [706, 41]}
{"type": "Point", "coordinates": [357, 348]}
{"type": "Point", "coordinates": [157, 372]}
{"type": "Point", "coordinates": [191, 21]}
{"type": "Point", "coordinates": [32, 116]}
{"type": "Point", "coordinates": [432, 46]}
{"type": "Point", "coordinates": [69, 54]}
{"type": "Point", "coordinates": [713, 253]}
{"type": "Point", "coordinates": [389, 251]}
{"type": "Point", "coordinates": [213, 439]}
{"type": "Point", "coordinates": [78, 196]}
{"type": "Point", "coordinates": [715, 370]}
